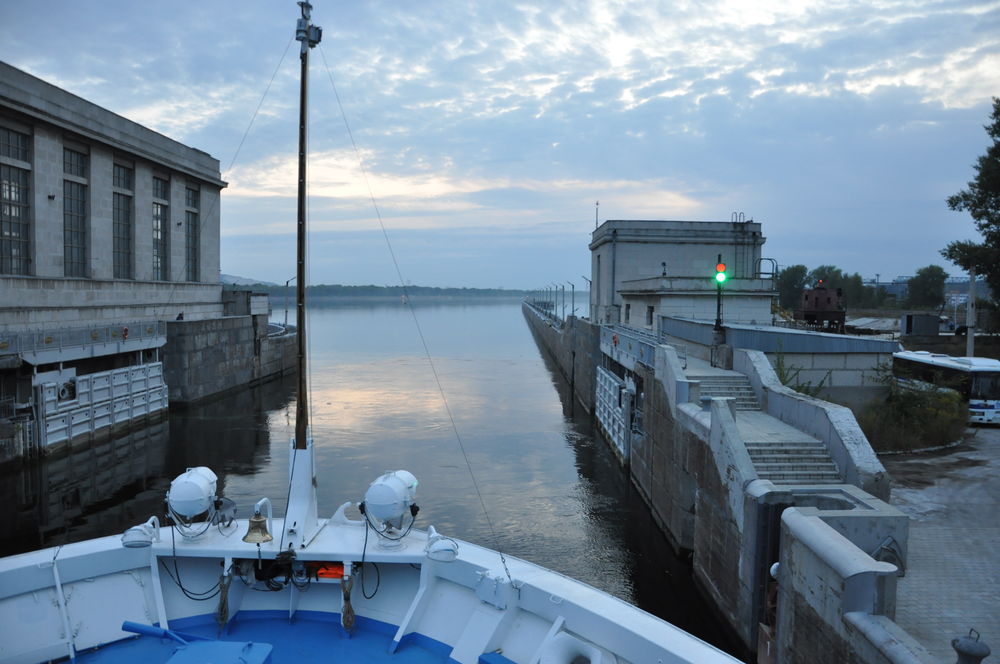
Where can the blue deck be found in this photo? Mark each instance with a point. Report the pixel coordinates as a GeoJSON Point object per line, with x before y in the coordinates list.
{"type": "Point", "coordinates": [309, 637]}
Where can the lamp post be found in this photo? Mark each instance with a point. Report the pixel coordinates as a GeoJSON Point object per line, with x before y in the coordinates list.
{"type": "Point", "coordinates": [286, 300]}
{"type": "Point", "coordinates": [572, 296]}
{"type": "Point", "coordinates": [590, 298]}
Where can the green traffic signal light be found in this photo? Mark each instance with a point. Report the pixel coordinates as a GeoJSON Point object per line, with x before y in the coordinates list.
{"type": "Point", "coordinates": [720, 272]}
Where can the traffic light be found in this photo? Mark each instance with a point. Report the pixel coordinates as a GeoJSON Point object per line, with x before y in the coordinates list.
{"type": "Point", "coordinates": [720, 272]}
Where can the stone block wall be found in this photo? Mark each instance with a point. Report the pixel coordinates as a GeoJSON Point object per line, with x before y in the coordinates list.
{"type": "Point", "coordinates": [206, 358]}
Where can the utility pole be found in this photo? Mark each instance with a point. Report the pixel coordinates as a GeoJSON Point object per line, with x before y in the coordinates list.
{"type": "Point", "coordinates": [970, 318]}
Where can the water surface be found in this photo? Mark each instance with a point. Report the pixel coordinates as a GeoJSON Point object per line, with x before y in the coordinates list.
{"type": "Point", "coordinates": [553, 492]}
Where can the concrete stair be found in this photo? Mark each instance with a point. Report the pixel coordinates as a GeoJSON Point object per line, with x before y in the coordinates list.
{"type": "Point", "coordinates": [791, 462]}
{"type": "Point", "coordinates": [736, 386]}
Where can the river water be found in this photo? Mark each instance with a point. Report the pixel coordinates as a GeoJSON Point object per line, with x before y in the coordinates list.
{"type": "Point", "coordinates": [553, 491]}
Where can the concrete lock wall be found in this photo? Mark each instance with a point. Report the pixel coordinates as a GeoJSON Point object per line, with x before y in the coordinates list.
{"type": "Point", "coordinates": [691, 466]}
{"type": "Point", "coordinates": [574, 345]}
{"type": "Point", "coordinates": [209, 357]}
{"type": "Point", "coordinates": [835, 602]}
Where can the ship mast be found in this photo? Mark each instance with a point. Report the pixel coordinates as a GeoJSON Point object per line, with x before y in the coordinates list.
{"type": "Point", "coordinates": [301, 521]}
{"type": "Point", "coordinates": [309, 35]}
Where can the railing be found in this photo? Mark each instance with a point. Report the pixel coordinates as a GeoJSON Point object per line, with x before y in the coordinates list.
{"type": "Point", "coordinates": [542, 310]}
{"type": "Point", "coordinates": [627, 346]}
{"type": "Point", "coordinates": [12, 343]}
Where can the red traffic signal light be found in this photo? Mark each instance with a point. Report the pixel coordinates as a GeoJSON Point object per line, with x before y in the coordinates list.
{"type": "Point", "coordinates": [720, 272]}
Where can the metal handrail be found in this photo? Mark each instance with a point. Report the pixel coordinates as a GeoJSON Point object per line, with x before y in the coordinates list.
{"type": "Point", "coordinates": [12, 343]}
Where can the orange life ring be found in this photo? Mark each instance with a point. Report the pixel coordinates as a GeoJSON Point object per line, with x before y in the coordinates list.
{"type": "Point", "coordinates": [614, 339]}
{"type": "Point", "coordinates": [124, 333]}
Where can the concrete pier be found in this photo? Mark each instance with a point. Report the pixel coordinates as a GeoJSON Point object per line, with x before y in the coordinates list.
{"type": "Point", "coordinates": [952, 581]}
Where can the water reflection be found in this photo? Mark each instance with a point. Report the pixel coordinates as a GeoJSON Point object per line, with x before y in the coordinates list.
{"type": "Point", "coordinates": [102, 486]}
{"type": "Point", "coordinates": [555, 494]}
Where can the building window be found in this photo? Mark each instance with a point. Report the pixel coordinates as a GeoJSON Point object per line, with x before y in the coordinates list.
{"type": "Point", "coordinates": [161, 229]}
{"type": "Point", "coordinates": [74, 163]}
{"type": "Point", "coordinates": [74, 228]}
{"type": "Point", "coordinates": [649, 315]}
{"type": "Point", "coordinates": [122, 218]}
{"type": "Point", "coordinates": [75, 213]}
{"type": "Point", "coordinates": [161, 189]}
{"type": "Point", "coordinates": [13, 144]}
{"type": "Point", "coordinates": [15, 218]}
{"type": "Point", "coordinates": [122, 222]}
{"type": "Point", "coordinates": [628, 312]}
{"type": "Point", "coordinates": [192, 232]}
{"type": "Point", "coordinates": [123, 177]}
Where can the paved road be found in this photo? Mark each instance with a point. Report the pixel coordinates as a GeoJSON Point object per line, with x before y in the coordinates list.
{"type": "Point", "coordinates": [952, 582]}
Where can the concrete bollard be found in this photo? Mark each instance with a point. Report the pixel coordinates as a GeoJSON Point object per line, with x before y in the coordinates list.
{"type": "Point", "coordinates": [970, 649]}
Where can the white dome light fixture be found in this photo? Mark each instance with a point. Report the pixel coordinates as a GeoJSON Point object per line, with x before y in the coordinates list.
{"type": "Point", "coordinates": [192, 493]}
{"type": "Point", "coordinates": [387, 502]}
{"type": "Point", "coordinates": [191, 499]}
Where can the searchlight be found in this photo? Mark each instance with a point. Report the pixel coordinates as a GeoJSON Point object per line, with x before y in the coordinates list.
{"type": "Point", "coordinates": [192, 499]}
{"type": "Point", "coordinates": [143, 535]}
{"type": "Point", "coordinates": [387, 502]}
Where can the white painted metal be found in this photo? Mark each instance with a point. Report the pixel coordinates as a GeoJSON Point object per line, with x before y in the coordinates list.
{"type": "Point", "coordinates": [98, 400]}
{"type": "Point", "coordinates": [613, 405]}
{"type": "Point", "coordinates": [542, 613]}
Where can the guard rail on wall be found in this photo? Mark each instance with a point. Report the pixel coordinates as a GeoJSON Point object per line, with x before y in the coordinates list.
{"type": "Point", "coordinates": [544, 314]}
{"type": "Point", "coordinates": [628, 346]}
{"type": "Point", "coordinates": [12, 343]}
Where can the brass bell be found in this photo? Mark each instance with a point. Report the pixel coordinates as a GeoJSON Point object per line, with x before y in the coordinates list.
{"type": "Point", "coordinates": [257, 532]}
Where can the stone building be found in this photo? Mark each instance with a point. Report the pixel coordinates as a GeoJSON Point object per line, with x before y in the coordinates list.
{"type": "Point", "coordinates": [109, 273]}
{"type": "Point", "coordinates": [102, 219]}
{"type": "Point", "coordinates": [642, 270]}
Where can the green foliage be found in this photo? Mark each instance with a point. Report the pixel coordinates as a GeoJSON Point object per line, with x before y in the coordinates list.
{"type": "Point", "coordinates": [914, 415]}
{"type": "Point", "coordinates": [831, 276]}
{"type": "Point", "coordinates": [791, 281]}
{"type": "Point", "coordinates": [926, 289]}
{"type": "Point", "coordinates": [981, 199]}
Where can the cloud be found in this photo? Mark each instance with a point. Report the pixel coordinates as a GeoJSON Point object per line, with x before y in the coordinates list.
{"type": "Point", "coordinates": [826, 120]}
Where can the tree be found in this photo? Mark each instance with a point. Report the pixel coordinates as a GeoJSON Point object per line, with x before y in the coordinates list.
{"type": "Point", "coordinates": [791, 281]}
{"type": "Point", "coordinates": [982, 200]}
{"type": "Point", "coordinates": [830, 275]}
{"type": "Point", "coordinates": [926, 288]}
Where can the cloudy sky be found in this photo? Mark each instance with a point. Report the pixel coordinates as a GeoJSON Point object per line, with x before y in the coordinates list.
{"type": "Point", "coordinates": [489, 129]}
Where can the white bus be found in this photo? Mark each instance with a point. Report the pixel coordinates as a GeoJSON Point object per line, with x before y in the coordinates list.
{"type": "Point", "coordinates": [977, 379]}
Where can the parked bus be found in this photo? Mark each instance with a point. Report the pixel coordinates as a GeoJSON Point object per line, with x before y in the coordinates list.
{"type": "Point", "coordinates": [977, 379]}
